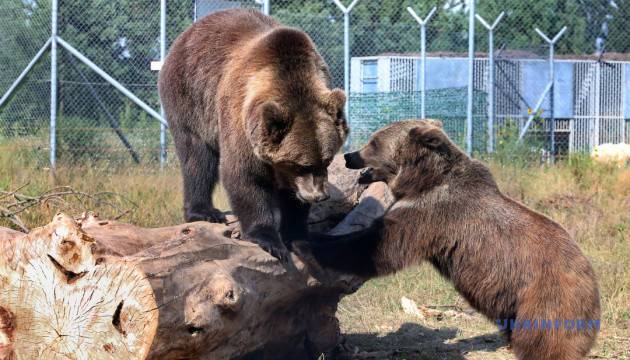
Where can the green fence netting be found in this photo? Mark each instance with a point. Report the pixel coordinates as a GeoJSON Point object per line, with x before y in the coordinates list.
{"type": "Point", "coordinates": [370, 111]}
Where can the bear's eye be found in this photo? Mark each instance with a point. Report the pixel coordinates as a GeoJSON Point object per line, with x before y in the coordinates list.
{"type": "Point", "coordinates": [340, 116]}
{"type": "Point", "coordinates": [374, 144]}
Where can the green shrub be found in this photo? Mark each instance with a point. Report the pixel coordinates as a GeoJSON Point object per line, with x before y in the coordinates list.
{"type": "Point", "coordinates": [508, 150]}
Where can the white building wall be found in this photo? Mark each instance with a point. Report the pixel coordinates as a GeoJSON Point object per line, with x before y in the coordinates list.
{"type": "Point", "coordinates": [355, 75]}
{"type": "Point", "coordinates": [384, 74]}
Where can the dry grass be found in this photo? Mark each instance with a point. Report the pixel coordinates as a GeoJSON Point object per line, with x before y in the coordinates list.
{"type": "Point", "coordinates": [591, 201]}
{"type": "Point", "coordinates": [153, 197]}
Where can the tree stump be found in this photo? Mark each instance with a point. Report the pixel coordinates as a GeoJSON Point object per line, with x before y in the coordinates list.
{"type": "Point", "coordinates": [95, 289]}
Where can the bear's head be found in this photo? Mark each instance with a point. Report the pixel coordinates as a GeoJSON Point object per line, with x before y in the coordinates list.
{"type": "Point", "coordinates": [405, 153]}
{"type": "Point", "coordinates": [296, 123]}
{"type": "Point", "coordinates": [300, 143]}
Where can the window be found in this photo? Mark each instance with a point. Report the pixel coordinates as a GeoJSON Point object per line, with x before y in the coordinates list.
{"type": "Point", "coordinates": [369, 76]}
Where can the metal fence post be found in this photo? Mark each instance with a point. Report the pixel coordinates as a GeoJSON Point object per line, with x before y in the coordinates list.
{"type": "Point", "coordinates": [346, 50]}
{"type": "Point", "coordinates": [552, 120]}
{"type": "Point", "coordinates": [423, 56]}
{"type": "Point", "coordinates": [111, 80]}
{"type": "Point", "coordinates": [491, 90]}
{"type": "Point", "coordinates": [266, 7]}
{"type": "Point", "coordinates": [53, 86]}
{"type": "Point", "coordinates": [346, 57]}
{"type": "Point", "coordinates": [598, 92]}
{"type": "Point", "coordinates": [471, 69]}
{"type": "Point", "coordinates": [162, 58]}
{"type": "Point", "coordinates": [24, 72]}
{"type": "Point", "coordinates": [534, 111]}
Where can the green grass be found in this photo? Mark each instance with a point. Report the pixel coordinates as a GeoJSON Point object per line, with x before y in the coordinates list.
{"type": "Point", "coordinates": [592, 201]}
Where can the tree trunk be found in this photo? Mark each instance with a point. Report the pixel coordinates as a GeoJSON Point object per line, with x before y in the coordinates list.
{"type": "Point", "coordinates": [92, 289]}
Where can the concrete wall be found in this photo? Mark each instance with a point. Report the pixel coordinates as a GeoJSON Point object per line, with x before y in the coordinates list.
{"type": "Point", "coordinates": [445, 73]}
{"type": "Point", "coordinates": [535, 76]}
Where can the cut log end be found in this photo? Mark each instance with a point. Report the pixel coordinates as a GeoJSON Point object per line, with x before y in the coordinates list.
{"type": "Point", "coordinates": [58, 301]}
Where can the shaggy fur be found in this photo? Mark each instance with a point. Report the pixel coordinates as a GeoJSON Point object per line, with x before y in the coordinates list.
{"type": "Point", "coordinates": [239, 87]}
{"type": "Point", "coordinates": [510, 262]}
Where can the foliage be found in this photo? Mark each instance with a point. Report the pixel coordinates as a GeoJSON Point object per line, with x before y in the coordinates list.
{"type": "Point", "coordinates": [509, 150]}
{"type": "Point", "coordinates": [516, 31]}
{"type": "Point", "coordinates": [121, 37]}
{"type": "Point", "coordinates": [77, 138]}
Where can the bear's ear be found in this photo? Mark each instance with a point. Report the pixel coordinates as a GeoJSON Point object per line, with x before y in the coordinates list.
{"type": "Point", "coordinates": [435, 122]}
{"type": "Point", "coordinates": [430, 137]}
{"type": "Point", "coordinates": [336, 101]}
{"type": "Point", "coordinates": [275, 122]}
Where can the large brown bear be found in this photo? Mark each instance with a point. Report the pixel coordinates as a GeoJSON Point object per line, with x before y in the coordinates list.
{"type": "Point", "coordinates": [239, 87]}
{"type": "Point", "coordinates": [516, 266]}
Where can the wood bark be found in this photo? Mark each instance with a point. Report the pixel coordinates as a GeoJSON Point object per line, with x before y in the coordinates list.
{"type": "Point", "coordinates": [95, 289]}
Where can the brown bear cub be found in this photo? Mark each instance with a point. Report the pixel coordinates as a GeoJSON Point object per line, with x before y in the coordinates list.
{"type": "Point", "coordinates": [240, 87]}
{"type": "Point", "coordinates": [514, 265]}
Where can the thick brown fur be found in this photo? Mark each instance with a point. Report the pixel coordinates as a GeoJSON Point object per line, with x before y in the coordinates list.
{"type": "Point", "coordinates": [510, 262]}
{"type": "Point", "coordinates": [239, 87]}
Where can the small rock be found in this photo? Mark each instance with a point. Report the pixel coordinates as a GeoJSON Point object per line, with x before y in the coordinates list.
{"type": "Point", "coordinates": [409, 307]}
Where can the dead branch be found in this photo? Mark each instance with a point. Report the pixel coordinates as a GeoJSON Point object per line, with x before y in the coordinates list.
{"type": "Point", "coordinates": [14, 203]}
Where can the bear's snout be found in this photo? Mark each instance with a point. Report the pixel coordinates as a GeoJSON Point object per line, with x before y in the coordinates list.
{"type": "Point", "coordinates": [313, 196]}
{"type": "Point", "coordinates": [354, 160]}
{"type": "Point", "coordinates": [311, 189]}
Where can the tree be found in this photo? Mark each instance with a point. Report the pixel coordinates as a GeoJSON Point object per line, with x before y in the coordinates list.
{"type": "Point", "coordinates": [616, 16]}
{"type": "Point", "coordinates": [24, 30]}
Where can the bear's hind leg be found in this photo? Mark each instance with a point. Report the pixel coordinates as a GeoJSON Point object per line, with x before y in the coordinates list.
{"type": "Point", "coordinates": [556, 344]}
{"type": "Point", "coordinates": [200, 171]}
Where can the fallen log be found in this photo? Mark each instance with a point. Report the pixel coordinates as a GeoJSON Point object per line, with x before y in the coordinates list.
{"type": "Point", "coordinates": [95, 289]}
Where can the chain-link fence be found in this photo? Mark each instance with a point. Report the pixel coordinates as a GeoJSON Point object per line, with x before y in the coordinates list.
{"type": "Point", "coordinates": [107, 108]}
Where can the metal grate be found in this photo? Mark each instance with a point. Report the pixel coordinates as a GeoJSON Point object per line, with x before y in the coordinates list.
{"type": "Point", "coordinates": [599, 95]}
{"type": "Point", "coordinates": [612, 123]}
{"type": "Point", "coordinates": [403, 72]}
{"type": "Point", "coordinates": [508, 103]}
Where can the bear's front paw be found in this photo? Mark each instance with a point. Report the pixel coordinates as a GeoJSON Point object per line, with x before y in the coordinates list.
{"type": "Point", "coordinates": [306, 251]}
{"type": "Point", "coordinates": [277, 249]}
{"type": "Point", "coordinates": [212, 215]}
